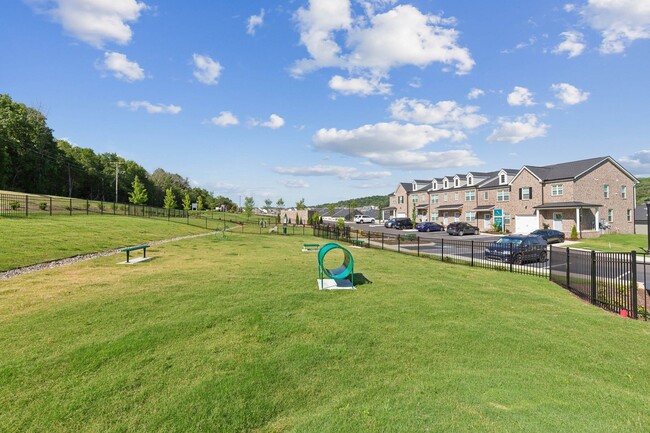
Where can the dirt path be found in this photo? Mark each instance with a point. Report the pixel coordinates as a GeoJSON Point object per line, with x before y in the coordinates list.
{"type": "Point", "coordinates": [70, 260]}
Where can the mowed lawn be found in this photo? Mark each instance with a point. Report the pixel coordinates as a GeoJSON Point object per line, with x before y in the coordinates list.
{"type": "Point", "coordinates": [27, 241]}
{"type": "Point", "coordinates": [231, 334]}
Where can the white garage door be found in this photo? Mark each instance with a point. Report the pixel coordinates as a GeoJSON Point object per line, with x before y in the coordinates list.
{"type": "Point", "coordinates": [524, 224]}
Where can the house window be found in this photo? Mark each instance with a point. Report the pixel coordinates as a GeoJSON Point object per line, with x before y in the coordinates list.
{"type": "Point", "coordinates": [470, 216]}
{"type": "Point", "coordinates": [400, 199]}
{"type": "Point", "coordinates": [503, 195]}
{"type": "Point", "coordinates": [434, 216]}
{"type": "Point", "coordinates": [503, 179]}
{"type": "Point", "coordinates": [486, 195]}
{"type": "Point", "coordinates": [445, 184]}
{"type": "Point", "coordinates": [557, 189]}
{"type": "Point", "coordinates": [623, 192]}
{"type": "Point", "coordinates": [506, 219]}
{"type": "Point", "coordinates": [470, 180]}
{"type": "Point", "coordinates": [525, 193]}
{"type": "Point", "coordinates": [455, 196]}
{"type": "Point", "coordinates": [445, 197]}
{"type": "Point", "coordinates": [434, 199]}
{"type": "Point", "coordinates": [414, 198]}
{"type": "Point", "coordinates": [610, 215]}
{"type": "Point", "coordinates": [456, 182]}
{"type": "Point", "coordinates": [629, 215]}
{"type": "Point", "coordinates": [434, 185]}
{"type": "Point", "coordinates": [470, 195]}
{"type": "Point", "coordinates": [606, 191]}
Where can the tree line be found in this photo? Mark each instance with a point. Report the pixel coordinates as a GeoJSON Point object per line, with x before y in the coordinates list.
{"type": "Point", "coordinates": [32, 160]}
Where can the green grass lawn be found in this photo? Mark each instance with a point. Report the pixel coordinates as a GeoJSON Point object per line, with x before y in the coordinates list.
{"type": "Point", "coordinates": [614, 243]}
{"type": "Point", "coordinates": [26, 241]}
{"type": "Point", "coordinates": [231, 334]}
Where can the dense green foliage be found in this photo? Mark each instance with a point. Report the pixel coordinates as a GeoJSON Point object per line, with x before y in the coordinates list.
{"type": "Point", "coordinates": [643, 190]}
{"type": "Point", "coordinates": [32, 160]}
{"type": "Point", "coordinates": [138, 194]}
{"type": "Point", "coordinates": [381, 201]}
{"type": "Point", "coordinates": [232, 335]}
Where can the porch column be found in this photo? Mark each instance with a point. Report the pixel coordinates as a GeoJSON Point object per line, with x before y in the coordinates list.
{"type": "Point", "coordinates": [598, 218]}
{"type": "Point", "coordinates": [537, 214]}
{"type": "Point", "coordinates": [578, 222]}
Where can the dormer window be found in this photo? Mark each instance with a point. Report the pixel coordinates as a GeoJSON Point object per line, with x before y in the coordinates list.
{"type": "Point", "coordinates": [470, 180]}
{"type": "Point", "coordinates": [445, 183]}
{"type": "Point", "coordinates": [456, 183]}
{"type": "Point", "coordinates": [415, 186]}
{"type": "Point", "coordinates": [434, 185]}
{"type": "Point", "coordinates": [503, 178]}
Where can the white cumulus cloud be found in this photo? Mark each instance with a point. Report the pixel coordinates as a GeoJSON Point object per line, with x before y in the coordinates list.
{"type": "Point", "coordinates": [523, 128]}
{"type": "Point", "coordinates": [475, 93]}
{"type": "Point", "coordinates": [94, 22]}
{"type": "Point", "coordinates": [568, 94]}
{"type": "Point", "coordinates": [206, 70]}
{"type": "Point", "coordinates": [295, 183]}
{"type": "Point", "coordinates": [447, 114]}
{"type": "Point", "coordinates": [637, 161]}
{"type": "Point", "coordinates": [255, 21]}
{"type": "Point", "coordinates": [573, 44]}
{"type": "Point", "coordinates": [224, 119]}
{"type": "Point", "coordinates": [121, 67]}
{"type": "Point", "coordinates": [274, 122]}
{"type": "Point", "coordinates": [620, 22]}
{"type": "Point", "coordinates": [149, 107]}
{"type": "Point", "coordinates": [520, 96]}
{"type": "Point", "coordinates": [359, 86]}
{"type": "Point", "coordinates": [376, 43]}
{"type": "Point", "coordinates": [394, 145]}
{"type": "Point", "coordinates": [342, 172]}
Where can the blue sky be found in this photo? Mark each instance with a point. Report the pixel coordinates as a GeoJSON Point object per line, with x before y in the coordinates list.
{"type": "Point", "coordinates": [334, 99]}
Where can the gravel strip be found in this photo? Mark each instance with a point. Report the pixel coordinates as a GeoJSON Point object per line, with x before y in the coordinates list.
{"type": "Point", "coordinates": [70, 260]}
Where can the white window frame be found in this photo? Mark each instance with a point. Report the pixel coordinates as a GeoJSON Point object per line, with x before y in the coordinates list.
{"type": "Point", "coordinates": [606, 191]}
{"type": "Point", "coordinates": [445, 183]}
{"type": "Point", "coordinates": [456, 183]}
{"type": "Point", "coordinates": [503, 195]}
{"type": "Point", "coordinates": [610, 215]}
{"type": "Point", "coordinates": [445, 197]}
{"type": "Point", "coordinates": [525, 193]}
{"type": "Point", "coordinates": [629, 215]}
{"type": "Point", "coordinates": [470, 216]}
{"type": "Point", "coordinates": [470, 195]}
{"type": "Point", "coordinates": [456, 196]}
{"type": "Point", "coordinates": [470, 180]}
{"type": "Point", "coordinates": [486, 195]}
{"type": "Point", "coordinates": [623, 192]}
{"type": "Point", "coordinates": [506, 219]}
{"type": "Point", "coordinates": [557, 189]}
{"type": "Point", "coordinates": [435, 198]}
{"type": "Point", "coordinates": [400, 199]}
{"type": "Point", "coordinates": [414, 198]}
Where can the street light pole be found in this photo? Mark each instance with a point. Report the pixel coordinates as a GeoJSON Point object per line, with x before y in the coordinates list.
{"type": "Point", "coordinates": [647, 212]}
{"type": "Point", "coordinates": [117, 171]}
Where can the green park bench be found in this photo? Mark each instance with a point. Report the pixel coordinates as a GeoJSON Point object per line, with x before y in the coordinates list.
{"type": "Point", "coordinates": [138, 247]}
{"type": "Point", "coordinates": [358, 242]}
{"type": "Point", "coordinates": [310, 247]}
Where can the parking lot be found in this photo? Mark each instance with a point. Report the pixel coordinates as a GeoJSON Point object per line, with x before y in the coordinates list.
{"type": "Point", "coordinates": [379, 228]}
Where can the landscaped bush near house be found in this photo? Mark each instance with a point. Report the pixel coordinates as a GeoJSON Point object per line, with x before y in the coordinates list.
{"type": "Point", "coordinates": [42, 205]}
{"type": "Point", "coordinates": [574, 233]}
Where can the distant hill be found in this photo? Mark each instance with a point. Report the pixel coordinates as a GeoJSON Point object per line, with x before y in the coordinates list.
{"type": "Point", "coordinates": [642, 190]}
{"type": "Point", "coordinates": [374, 200]}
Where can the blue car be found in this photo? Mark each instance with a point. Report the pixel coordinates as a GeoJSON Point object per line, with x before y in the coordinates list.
{"type": "Point", "coordinates": [517, 249]}
{"type": "Point", "coordinates": [429, 227]}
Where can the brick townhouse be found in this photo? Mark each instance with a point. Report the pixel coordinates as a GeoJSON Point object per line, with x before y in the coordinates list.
{"type": "Point", "coordinates": [590, 194]}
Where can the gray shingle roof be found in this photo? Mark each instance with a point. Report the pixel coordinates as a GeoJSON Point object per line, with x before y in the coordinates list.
{"type": "Point", "coordinates": [565, 170]}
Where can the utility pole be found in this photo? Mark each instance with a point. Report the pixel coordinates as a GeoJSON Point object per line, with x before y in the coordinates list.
{"type": "Point", "coordinates": [117, 171]}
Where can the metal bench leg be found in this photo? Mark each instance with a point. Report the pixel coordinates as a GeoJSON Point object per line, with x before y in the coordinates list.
{"type": "Point", "coordinates": [127, 257]}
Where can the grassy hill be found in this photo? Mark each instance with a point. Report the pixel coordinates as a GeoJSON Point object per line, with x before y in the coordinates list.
{"type": "Point", "coordinates": [380, 201]}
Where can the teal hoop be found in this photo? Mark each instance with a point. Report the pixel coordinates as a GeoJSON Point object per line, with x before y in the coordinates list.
{"type": "Point", "coordinates": [342, 272]}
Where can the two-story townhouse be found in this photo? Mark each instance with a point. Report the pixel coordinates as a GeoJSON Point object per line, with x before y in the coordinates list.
{"type": "Point", "coordinates": [589, 194]}
{"type": "Point", "coordinates": [494, 200]}
{"type": "Point", "coordinates": [418, 200]}
{"type": "Point", "coordinates": [398, 201]}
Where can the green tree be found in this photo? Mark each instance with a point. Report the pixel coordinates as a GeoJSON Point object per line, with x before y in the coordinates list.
{"type": "Point", "coordinates": [170, 199]}
{"type": "Point", "coordinates": [187, 201]}
{"type": "Point", "coordinates": [249, 204]}
{"type": "Point", "coordinates": [139, 193]}
{"type": "Point", "coordinates": [300, 205]}
{"type": "Point", "coordinates": [280, 203]}
{"type": "Point", "coordinates": [199, 203]}
{"type": "Point", "coordinates": [267, 203]}
{"type": "Point", "coordinates": [331, 209]}
{"type": "Point", "coordinates": [315, 219]}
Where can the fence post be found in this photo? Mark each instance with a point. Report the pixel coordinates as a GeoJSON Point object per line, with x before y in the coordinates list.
{"type": "Point", "coordinates": [50, 206]}
{"type": "Point", "coordinates": [101, 209]}
{"type": "Point", "coordinates": [398, 242]}
{"type": "Point", "coordinates": [70, 207]}
{"type": "Point", "coordinates": [418, 238]}
{"type": "Point", "coordinates": [26, 205]}
{"type": "Point", "coordinates": [593, 295]}
{"type": "Point", "coordinates": [442, 250]}
{"type": "Point", "coordinates": [633, 289]}
{"type": "Point", "coordinates": [87, 207]}
{"type": "Point", "coordinates": [368, 238]}
{"type": "Point", "coordinates": [512, 259]}
{"type": "Point", "coordinates": [382, 240]}
{"type": "Point", "coordinates": [550, 262]}
{"type": "Point", "coordinates": [568, 270]}
{"type": "Point", "coordinates": [472, 246]}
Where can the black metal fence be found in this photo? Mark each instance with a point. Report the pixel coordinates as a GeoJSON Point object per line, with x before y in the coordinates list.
{"type": "Point", "coordinates": [607, 280]}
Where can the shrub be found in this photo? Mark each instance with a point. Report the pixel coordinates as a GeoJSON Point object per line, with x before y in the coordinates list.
{"type": "Point", "coordinates": [42, 205]}
{"type": "Point", "coordinates": [15, 205]}
{"type": "Point", "coordinates": [574, 233]}
{"type": "Point", "coordinates": [100, 206]}
{"type": "Point", "coordinates": [340, 224]}
{"type": "Point", "coordinates": [545, 226]}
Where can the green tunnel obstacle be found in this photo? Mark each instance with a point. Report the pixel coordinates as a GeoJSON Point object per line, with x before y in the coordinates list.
{"type": "Point", "coordinates": [345, 271]}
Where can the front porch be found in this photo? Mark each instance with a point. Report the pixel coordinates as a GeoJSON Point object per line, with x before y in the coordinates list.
{"type": "Point", "coordinates": [564, 216]}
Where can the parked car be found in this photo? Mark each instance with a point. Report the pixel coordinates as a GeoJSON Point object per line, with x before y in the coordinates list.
{"type": "Point", "coordinates": [389, 223]}
{"type": "Point", "coordinates": [429, 227]}
{"type": "Point", "coordinates": [403, 223]}
{"type": "Point", "coordinates": [461, 228]}
{"type": "Point", "coordinates": [517, 249]}
{"type": "Point", "coordinates": [360, 219]}
{"type": "Point", "coordinates": [550, 236]}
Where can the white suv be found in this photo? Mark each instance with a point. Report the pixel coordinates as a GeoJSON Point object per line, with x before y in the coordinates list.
{"type": "Point", "coordinates": [360, 219]}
